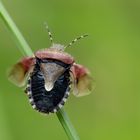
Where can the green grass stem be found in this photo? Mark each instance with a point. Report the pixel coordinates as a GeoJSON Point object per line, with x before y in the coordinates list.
{"type": "Point", "coordinates": [67, 125]}
{"type": "Point", "coordinates": [15, 33]}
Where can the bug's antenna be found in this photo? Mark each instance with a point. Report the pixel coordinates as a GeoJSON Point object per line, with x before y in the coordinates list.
{"type": "Point", "coordinates": [75, 40]}
{"type": "Point", "coordinates": [49, 33]}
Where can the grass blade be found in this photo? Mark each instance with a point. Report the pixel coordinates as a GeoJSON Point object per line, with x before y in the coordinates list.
{"type": "Point", "coordinates": [15, 33]}
{"type": "Point", "coordinates": [68, 127]}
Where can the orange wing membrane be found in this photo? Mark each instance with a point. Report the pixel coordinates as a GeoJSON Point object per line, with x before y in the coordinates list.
{"type": "Point", "coordinates": [19, 72]}
{"type": "Point", "coordinates": [82, 80]}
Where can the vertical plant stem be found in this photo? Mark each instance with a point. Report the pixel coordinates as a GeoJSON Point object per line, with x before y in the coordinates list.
{"type": "Point", "coordinates": [15, 33]}
{"type": "Point", "coordinates": [68, 127]}
{"type": "Point", "coordinates": [26, 50]}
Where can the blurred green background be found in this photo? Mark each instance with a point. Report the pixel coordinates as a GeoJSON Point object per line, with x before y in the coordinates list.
{"type": "Point", "coordinates": [111, 52]}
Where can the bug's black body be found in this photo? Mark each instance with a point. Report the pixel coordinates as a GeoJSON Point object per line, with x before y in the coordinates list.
{"type": "Point", "coordinates": [48, 101]}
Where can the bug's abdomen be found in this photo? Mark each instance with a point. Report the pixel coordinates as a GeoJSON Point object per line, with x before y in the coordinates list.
{"type": "Point", "coordinates": [48, 101]}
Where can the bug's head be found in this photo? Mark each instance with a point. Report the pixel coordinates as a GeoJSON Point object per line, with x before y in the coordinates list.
{"type": "Point", "coordinates": [50, 69]}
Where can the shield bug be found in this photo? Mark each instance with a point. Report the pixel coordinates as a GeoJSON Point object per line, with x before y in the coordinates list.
{"type": "Point", "coordinates": [51, 75]}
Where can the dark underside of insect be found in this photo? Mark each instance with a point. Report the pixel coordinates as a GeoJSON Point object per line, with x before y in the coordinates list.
{"type": "Point", "coordinates": [41, 98]}
{"type": "Point", "coordinates": [51, 75]}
